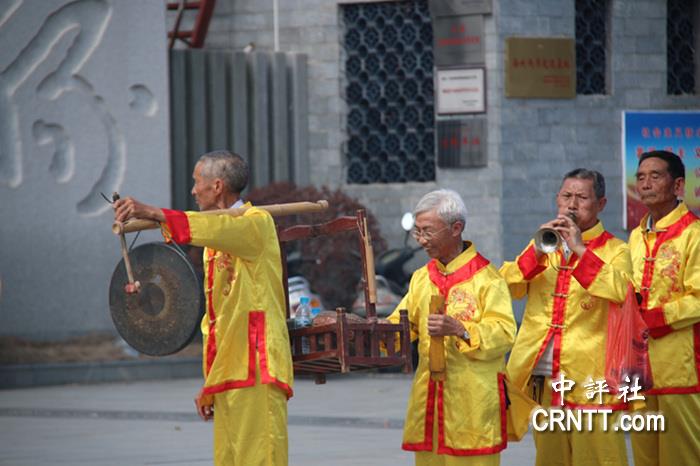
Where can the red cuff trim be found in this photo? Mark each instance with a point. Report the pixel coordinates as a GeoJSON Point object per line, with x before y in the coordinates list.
{"type": "Point", "coordinates": [588, 268]}
{"type": "Point", "coordinates": [528, 265]}
{"type": "Point", "coordinates": [179, 225]}
{"type": "Point", "coordinates": [654, 318]}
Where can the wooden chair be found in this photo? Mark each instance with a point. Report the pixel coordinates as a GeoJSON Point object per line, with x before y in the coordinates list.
{"type": "Point", "coordinates": [346, 345]}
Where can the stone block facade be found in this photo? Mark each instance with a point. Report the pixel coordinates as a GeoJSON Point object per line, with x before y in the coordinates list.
{"type": "Point", "coordinates": [531, 142]}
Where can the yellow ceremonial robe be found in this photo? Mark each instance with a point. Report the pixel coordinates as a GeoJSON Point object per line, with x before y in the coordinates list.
{"type": "Point", "coordinates": [667, 274]}
{"type": "Point", "coordinates": [245, 312]}
{"type": "Point", "coordinates": [666, 265]}
{"type": "Point", "coordinates": [246, 341]}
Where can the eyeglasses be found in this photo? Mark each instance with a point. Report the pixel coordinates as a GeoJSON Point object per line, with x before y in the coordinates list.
{"type": "Point", "coordinates": [426, 234]}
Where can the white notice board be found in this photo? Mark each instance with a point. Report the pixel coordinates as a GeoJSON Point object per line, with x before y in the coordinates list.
{"type": "Point", "coordinates": [460, 91]}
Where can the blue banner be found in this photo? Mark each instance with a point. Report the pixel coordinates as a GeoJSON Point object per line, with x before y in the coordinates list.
{"type": "Point", "coordinates": [675, 131]}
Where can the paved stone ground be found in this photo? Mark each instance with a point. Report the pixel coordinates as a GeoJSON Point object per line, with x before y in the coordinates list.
{"type": "Point", "coordinates": [349, 421]}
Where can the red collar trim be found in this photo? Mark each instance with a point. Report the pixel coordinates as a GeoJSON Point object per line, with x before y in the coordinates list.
{"type": "Point", "coordinates": [599, 241]}
{"type": "Point", "coordinates": [445, 282]}
{"type": "Point", "coordinates": [674, 230]}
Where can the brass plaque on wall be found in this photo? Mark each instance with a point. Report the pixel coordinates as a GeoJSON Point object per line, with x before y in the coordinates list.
{"type": "Point", "coordinates": [540, 67]}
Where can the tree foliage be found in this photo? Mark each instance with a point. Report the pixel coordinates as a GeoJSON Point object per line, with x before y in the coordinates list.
{"type": "Point", "coordinates": [332, 264]}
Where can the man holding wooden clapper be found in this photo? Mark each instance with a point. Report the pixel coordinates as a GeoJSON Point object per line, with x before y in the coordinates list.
{"type": "Point", "coordinates": [460, 309]}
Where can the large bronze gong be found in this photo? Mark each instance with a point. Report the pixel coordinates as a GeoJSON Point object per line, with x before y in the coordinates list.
{"type": "Point", "coordinates": [163, 317]}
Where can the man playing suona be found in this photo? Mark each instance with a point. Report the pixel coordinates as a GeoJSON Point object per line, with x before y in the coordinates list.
{"type": "Point", "coordinates": [564, 327]}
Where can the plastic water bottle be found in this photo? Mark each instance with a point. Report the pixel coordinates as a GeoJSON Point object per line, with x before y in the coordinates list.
{"type": "Point", "coordinates": [302, 318]}
{"type": "Point", "coordinates": [315, 311]}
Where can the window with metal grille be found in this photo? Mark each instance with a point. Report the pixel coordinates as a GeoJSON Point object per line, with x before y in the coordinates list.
{"type": "Point", "coordinates": [388, 58]}
{"type": "Point", "coordinates": [591, 43]}
{"type": "Point", "coordinates": [681, 44]}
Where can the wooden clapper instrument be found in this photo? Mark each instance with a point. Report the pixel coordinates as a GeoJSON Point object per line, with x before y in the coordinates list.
{"type": "Point", "coordinates": [436, 357]}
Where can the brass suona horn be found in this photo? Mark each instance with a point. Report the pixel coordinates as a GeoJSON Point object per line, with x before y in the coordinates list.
{"type": "Point", "coordinates": [547, 240]}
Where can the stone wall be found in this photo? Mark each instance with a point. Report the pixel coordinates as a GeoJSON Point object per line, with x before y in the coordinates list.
{"type": "Point", "coordinates": [84, 99]}
{"type": "Point", "coordinates": [531, 142]}
{"type": "Point", "coordinates": [313, 27]}
{"type": "Point", "coordinates": [84, 105]}
{"type": "Point", "coordinates": [543, 139]}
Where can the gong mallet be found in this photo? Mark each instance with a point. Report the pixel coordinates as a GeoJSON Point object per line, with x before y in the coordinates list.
{"type": "Point", "coordinates": [133, 286]}
{"type": "Point", "coordinates": [276, 210]}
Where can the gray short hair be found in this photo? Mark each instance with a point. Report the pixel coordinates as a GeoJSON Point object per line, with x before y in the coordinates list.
{"type": "Point", "coordinates": [447, 203]}
{"type": "Point", "coordinates": [228, 166]}
{"type": "Point", "coordinates": [584, 174]}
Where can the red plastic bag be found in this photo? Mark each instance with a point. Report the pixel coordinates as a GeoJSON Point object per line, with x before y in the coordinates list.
{"type": "Point", "coordinates": [627, 347]}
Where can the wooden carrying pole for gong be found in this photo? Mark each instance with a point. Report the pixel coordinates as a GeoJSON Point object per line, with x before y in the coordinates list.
{"type": "Point", "coordinates": [276, 210]}
{"type": "Point", "coordinates": [436, 357]}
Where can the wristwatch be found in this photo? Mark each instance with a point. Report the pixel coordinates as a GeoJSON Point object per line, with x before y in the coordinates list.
{"type": "Point", "coordinates": [466, 336]}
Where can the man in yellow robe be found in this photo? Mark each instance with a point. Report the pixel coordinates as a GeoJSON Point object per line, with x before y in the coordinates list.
{"type": "Point", "coordinates": [247, 361]}
{"type": "Point", "coordinates": [564, 327]}
{"type": "Point", "coordinates": [461, 419]}
{"type": "Point", "coordinates": [665, 250]}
